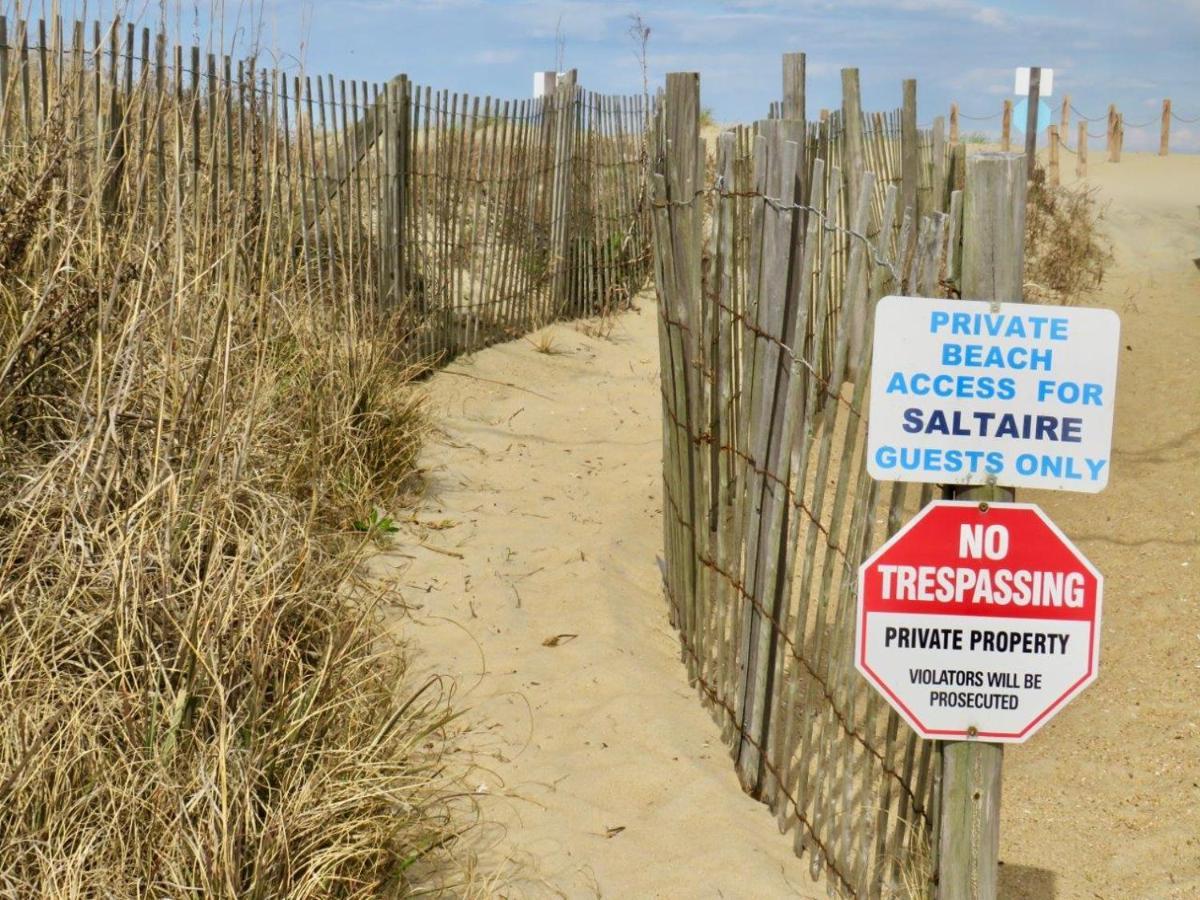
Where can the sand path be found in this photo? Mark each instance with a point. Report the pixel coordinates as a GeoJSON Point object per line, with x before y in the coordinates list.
{"type": "Point", "coordinates": [606, 772]}
{"type": "Point", "coordinates": [1105, 801]}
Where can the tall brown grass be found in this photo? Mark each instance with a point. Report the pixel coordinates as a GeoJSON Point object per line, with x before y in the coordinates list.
{"type": "Point", "coordinates": [196, 697]}
{"type": "Point", "coordinates": [1066, 249]}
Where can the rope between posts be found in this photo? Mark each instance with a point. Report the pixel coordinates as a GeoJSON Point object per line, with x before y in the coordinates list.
{"type": "Point", "coordinates": [963, 115]}
{"type": "Point", "coordinates": [1179, 118]}
{"type": "Point", "coordinates": [1086, 118]}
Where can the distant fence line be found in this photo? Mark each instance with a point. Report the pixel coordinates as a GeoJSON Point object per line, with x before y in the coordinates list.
{"type": "Point", "coordinates": [473, 219]}
{"type": "Point", "coordinates": [768, 262]}
{"type": "Point", "coordinates": [1060, 132]}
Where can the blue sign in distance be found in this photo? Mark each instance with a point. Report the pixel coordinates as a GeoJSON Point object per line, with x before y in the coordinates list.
{"type": "Point", "coordinates": [1020, 115]}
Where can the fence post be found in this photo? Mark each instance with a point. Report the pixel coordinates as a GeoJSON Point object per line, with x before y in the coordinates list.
{"type": "Point", "coordinates": [1052, 164]}
{"type": "Point", "coordinates": [938, 193]}
{"type": "Point", "coordinates": [794, 112]}
{"type": "Point", "coordinates": [993, 258]}
{"type": "Point", "coordinates": [1118, 137]}
{"type": "Point", "coordinates": [793, 87]}
{"type": "Point", "coordinates": [1164, 136]}
{"type": "Point", "coordinates": [910, 152]}
{"type": "Point", "coordinates": [953, 124]}
{"type": "Point", "coordinates": [852, 123]}
{"type": "Point", "coordinates": [678, 219]}
{"type": "Point", "coordinates": [855, 164]}
{"type": "Point", "coordinates": [1111, 136]}
{"type": "Point", "coordinates": [1006, 127]}
{"type": "Point", "coordinates": [398, 115]}
{"type": "Point", "coordinates": [1081, 151]}
{"type": "Point", "coordinates": [1064, 128]}
{"type": "Point", "coordinates": [1031, 118]}
{"type": "Point", "coordinates": [564, 145]}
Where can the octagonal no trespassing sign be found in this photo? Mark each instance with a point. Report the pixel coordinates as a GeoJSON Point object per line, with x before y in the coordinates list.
{"type": "Point", "coordinates": [978, 621]}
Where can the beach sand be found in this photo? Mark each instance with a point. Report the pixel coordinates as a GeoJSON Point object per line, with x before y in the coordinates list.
{"type": "Point", "coordinates": [603, 774]}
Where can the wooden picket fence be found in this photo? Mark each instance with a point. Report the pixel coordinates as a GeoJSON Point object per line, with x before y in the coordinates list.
{"type": "Point", "coordinates": [931, 165]}
{"type": "Point", "coordinates": [769, 259]}
{"type": "Point", "coordinates": [466, 220]}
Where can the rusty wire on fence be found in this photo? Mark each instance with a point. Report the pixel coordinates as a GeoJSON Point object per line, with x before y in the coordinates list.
{"type": "Point", "coordinates": [764, 275]}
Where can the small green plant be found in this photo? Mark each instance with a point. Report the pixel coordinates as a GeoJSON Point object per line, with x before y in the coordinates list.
{"type": "Point", "coordinates": [377, 523]}
{"type": "Point", "coordinates": [707, 119]}
{"type": "Point", "coordinates": [975, 137]}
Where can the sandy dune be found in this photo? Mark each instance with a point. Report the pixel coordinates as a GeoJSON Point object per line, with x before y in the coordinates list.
{"type": "Point", "coordinates": [608, 777]}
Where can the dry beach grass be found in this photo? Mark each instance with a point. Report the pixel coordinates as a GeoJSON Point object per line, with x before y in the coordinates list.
{"type": "Point", "coordinates": [195, 696]}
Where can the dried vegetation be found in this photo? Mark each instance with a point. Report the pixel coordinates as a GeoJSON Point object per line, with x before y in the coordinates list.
{"type": "Point", "coordinates": [196, 695]}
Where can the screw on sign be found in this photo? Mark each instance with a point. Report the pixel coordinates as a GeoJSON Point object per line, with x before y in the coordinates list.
{"type": "Point", "coordinates": [978, 621]}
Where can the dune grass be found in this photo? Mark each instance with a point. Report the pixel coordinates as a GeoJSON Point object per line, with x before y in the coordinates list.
{"type": "Point", "coordinates": [1066, 249]}
{"type": "Point", "coordinates": [196, 695]}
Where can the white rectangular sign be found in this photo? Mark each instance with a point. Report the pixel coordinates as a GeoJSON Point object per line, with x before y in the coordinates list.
{"type": "Point", "coordinates": [965, 392]}
{"type": "Point", "coordinates": [1045, 84]}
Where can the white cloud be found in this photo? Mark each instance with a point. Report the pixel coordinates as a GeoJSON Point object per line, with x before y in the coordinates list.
{"type": "Point", "coordinates": [497, 57]}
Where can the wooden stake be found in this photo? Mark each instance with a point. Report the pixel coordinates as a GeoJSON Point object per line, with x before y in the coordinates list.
{"type": "Point", "coordinates": [1118, 139]}
{"type": "Point", "coordinates": [953, 124]}
{"type": "Point", "coordinates": [1052, 166]}
{"type": "Point", "coordinates": [854, 154]}
{"type": "Point", "coordinates": [1081, 151]}
{"type": "Point", "coordinates": [793, 87]}
{"type": "Point", "coordinates": [1164, 136]}
{"type": "Point", "coordinates": [1111, 136]}
{"type": "Point", "coordinates": [564, 155]}
{"type": "Point", "coordinates": [1064, 128]}
{"type": "Point", "coordinates": [909, 149]}
{"type": "Point", "coordinates": [1031, 118]}
{"type": "Point", "coordinates": [993, 258]}
{"type": "Point", "coordinates": [1006, 127]}
{"type": "Point", "coordinates": [938, 193]}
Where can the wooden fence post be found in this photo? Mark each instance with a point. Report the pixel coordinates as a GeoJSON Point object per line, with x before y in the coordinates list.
{"type": "Point", "coordinates": [1031, 118]}
{"type": "Point", "coordinates": [678, 215]}
{"type": "Point", "coordinates": [1111, 135]}
{"type": "Point", "coordinates": [953, 124]}
{"type": "Point", "coordinates": [560, 228]}
{"type": "Point", "coordinates": [852, 123]}
{"type": "Point", "coordinates": [1006, 127]}
{"type": "Point", "coordinates": [1081, 151]}
{"type": "Point", "coordinates": [401, 139]}
{"type": "Point", "coordinates": [1118, 137]}
{"type": "Point", "coordinates": [793, 87]}
{"type": "Point", "coordinates": [910, 151]}
{"type": "Point", "coordinates": [794, 112]}
{"type": "Point", "coordinates": [938, 192]}
{"type": "Point", "coordinates": [993, 262]}
{"type": "Point", "coordinates": [1164, 136]}
{"type": "Point", "coordinates": [1052, 164]}
{"type": "Point", "coordinates": [1064, 128]}
{"type": "Point", "coordinates": [855, 164]}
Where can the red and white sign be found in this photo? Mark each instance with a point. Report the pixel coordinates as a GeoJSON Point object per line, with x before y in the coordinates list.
{"type": "Point", "coordinates": [978, 621]}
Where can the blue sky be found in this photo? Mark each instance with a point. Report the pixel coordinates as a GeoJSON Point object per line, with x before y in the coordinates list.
{"type": "Point", "coordinates": [1131, 52]}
